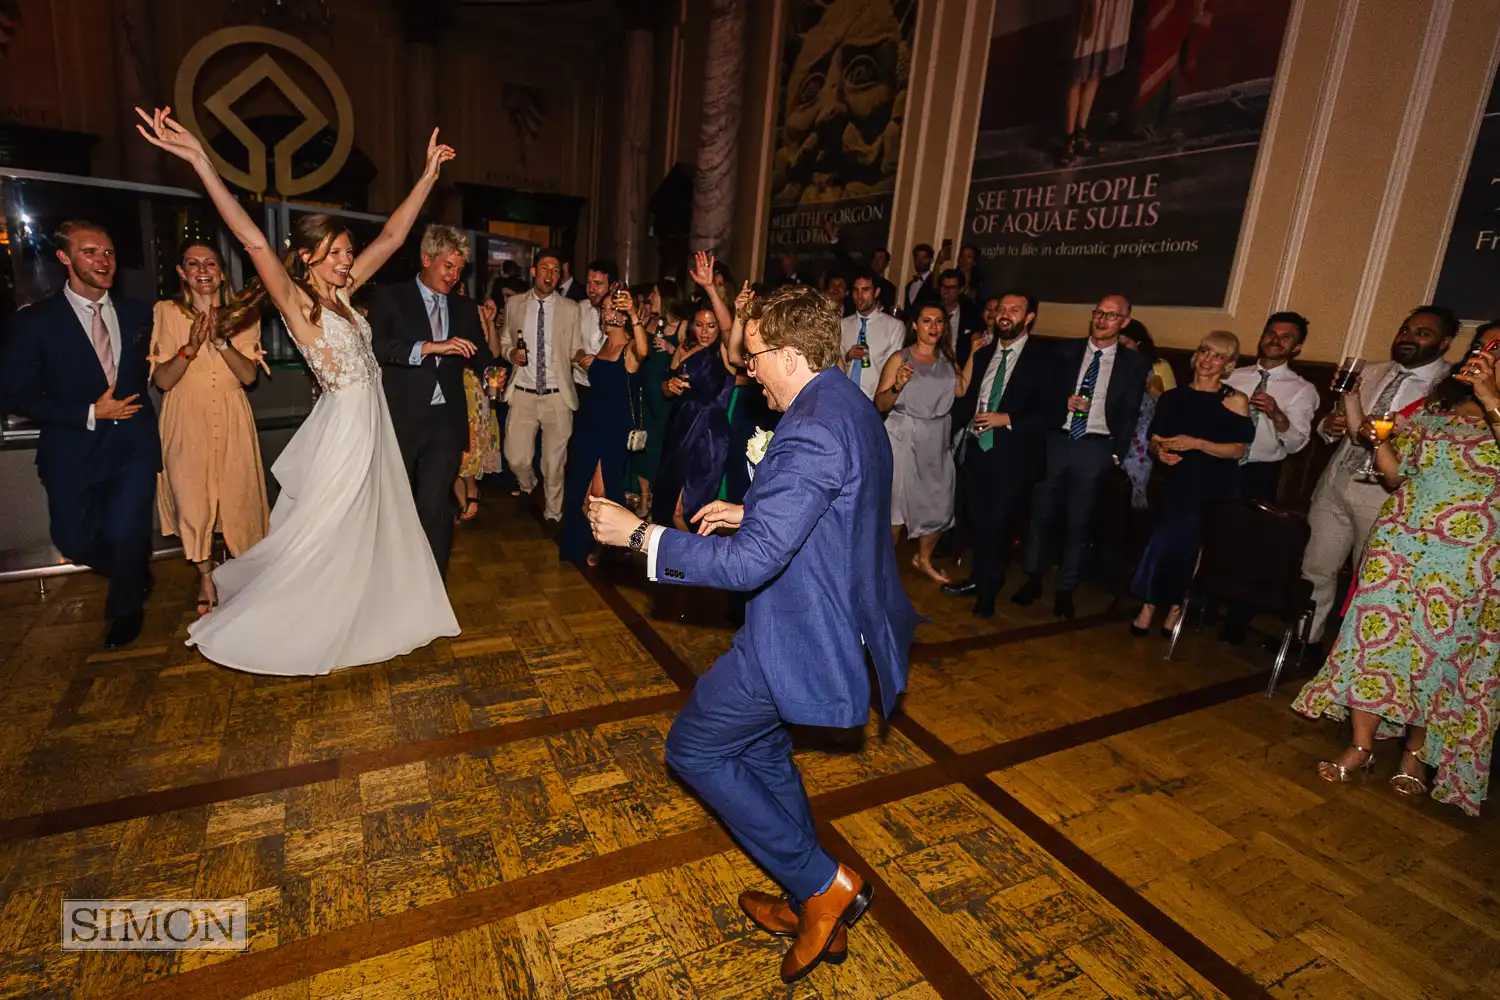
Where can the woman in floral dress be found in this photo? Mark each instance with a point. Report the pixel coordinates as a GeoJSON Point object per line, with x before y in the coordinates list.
{"type": "Point", "coordinates": [1417, 652]}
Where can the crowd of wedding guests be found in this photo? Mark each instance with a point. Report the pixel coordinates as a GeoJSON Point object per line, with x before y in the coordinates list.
{"type": "Point", "coordinates": [1005, 446]}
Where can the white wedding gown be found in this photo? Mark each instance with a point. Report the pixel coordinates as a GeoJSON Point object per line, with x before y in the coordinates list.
{"type": "Point", "coordinates": [345, 575]}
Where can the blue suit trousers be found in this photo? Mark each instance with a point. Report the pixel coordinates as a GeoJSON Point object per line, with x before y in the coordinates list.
{"type": "Point", "coordinates": [730, 746]}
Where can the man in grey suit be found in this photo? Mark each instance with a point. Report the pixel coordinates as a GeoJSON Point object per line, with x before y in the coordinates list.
{"type": "Point", "coordinates": [541, 340]}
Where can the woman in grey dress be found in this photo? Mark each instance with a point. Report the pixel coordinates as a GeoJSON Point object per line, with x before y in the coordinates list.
{"type": "Point", "coordinates": [917, 388]}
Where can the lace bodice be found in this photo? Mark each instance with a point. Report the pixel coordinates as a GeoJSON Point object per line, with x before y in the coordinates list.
{"type": "Point", "coordinates": [341, 356]}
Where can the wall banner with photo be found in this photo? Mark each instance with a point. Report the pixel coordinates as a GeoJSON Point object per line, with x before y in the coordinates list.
{"type": "Point", "coordinates": [1467, 283]}
{"type": "Point", "coordinates": [1117, 142]}
{"type": "Point", "coordinates": [844, 67]}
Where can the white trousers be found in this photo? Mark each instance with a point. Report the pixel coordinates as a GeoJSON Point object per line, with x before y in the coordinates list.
{"type": "Point", "coordinates": [1342, 513]}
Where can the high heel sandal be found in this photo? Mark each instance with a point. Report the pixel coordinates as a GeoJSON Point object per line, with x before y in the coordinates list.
{"type": "Point", "coordinates": [1409, 784]}
{"type": "Point", "coordinates": [1339, 773]}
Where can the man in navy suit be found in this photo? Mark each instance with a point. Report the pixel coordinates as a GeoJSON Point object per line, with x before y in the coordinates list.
{"type": "Point", "coordinates": [1004, 416]}
{"type": "Point", "coordinates": [1094, 405]}
{"type": "Point", "coordinates": [75, 364]}
{"type": "Point", "coordinates": [813, 547]}
{"type": "Point", "coordinates": [425, 336]}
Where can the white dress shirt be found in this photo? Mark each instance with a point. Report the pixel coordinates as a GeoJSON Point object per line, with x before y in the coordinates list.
{"type": "Point", "coordinates": [84, 309]}
{"type": "Point", "coordinates": [430, 299]}
{"type": "Point", "coordinates": [591, 330]}
{"type": "Point", "coordinates": [1297, 398]}
{"type": "Point", "coordinates": [914, 284]}
{"type": "Point", "coordinates": [987, 383]}
{"type": "Point", "coordinates": [884, 335]}
{"type": "Point", "coordinates": [557, 368]}
{"type": "Point", "coordinates": [1098, 423]}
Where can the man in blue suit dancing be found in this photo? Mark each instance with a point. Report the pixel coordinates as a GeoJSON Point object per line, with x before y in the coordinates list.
{"type": "Point", "coordinates": [812, 544]}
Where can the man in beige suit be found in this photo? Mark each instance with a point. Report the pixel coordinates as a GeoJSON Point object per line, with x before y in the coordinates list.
{"type": "Point", "coordinates": [1343, 507]}
{"type": "Point", "coordinates": [541, 339]}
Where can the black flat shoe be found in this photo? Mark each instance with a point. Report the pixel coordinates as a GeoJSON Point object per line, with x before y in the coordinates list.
{"type": "Point", "coordinates": [961, 589]}
{"type": "Point", "coordinates": [1029, 592]}
{"type": "Point", "coordinates": [1138, 632]}
{"type": "Point", "coordinates": [123, 631]}
{"type": "Point", "coordinates": [1062, 605]}
{"type": "Point", "coordinates": [984, 609]}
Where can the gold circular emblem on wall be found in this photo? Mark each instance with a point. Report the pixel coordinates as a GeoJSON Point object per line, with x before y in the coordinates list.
{"type": "Point", "coordinates": [220, 104]}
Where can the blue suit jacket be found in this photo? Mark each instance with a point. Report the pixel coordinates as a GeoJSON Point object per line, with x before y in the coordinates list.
{"type": "Point", "coordinates": [51, 375]}
{"type": "Point", "coordinates": [815, 545]}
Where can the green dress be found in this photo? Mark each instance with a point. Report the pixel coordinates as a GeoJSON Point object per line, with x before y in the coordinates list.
{"type": "Point", "coordinates": [1420, 640]}
{"type": "Point", "coordinates": [652, 409]}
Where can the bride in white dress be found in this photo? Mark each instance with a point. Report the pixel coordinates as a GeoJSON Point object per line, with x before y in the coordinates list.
{"type": "Point", "coordinates": [346, 575]}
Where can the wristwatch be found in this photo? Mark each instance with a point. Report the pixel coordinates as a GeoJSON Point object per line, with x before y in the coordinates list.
{"type": "Point", "coordinates": [638, 537]}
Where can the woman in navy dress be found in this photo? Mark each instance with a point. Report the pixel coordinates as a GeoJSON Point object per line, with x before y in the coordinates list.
{"type": "Point", "coordinates": [606, 415]}
{"type": "Point", "coordinates": [701, 381]}
{"type": "Point", "coordinates": [1199, 433]}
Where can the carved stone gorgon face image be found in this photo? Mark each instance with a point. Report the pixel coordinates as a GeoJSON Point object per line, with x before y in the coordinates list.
{"type": "Point", "coordinates": [842, 103]}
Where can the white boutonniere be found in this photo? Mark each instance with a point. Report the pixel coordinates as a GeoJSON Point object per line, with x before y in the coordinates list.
{"type": "Point", "coordinates": [759, 442]}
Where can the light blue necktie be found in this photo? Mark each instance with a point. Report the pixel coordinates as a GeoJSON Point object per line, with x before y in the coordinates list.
{"type": "Point", "coordinates": [1080, 425]}
{"type": "Point", "coordinates": [857, 366]}
{"type": "Point", "coordinates": [435, 318]}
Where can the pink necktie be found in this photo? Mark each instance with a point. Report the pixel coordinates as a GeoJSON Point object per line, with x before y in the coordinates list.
{"type": "Point", "coordinates": [102, 347]}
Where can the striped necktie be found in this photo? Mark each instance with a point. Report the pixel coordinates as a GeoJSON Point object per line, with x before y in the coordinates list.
{"type": "Point", "coordinates": [1080, 425]}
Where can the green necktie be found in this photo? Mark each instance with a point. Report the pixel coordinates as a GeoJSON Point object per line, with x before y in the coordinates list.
{"type": "Point", "coordinates": [997, 389]}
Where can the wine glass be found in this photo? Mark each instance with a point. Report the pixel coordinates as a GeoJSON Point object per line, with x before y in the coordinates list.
{"type": "Point", "coordinates": [1348, 374]}
{"type": "Point", "coordinates": [1382, 422]}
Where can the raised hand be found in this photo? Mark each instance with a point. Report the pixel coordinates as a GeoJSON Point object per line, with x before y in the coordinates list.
{"type": "Point", "coordinates": [703, 269]}
{"type": "Point", "coordinates": [488, 310]}
{"type": "Point", "coordinates": [437, 155]}
{"type": "Point", "coordinates": [107, 407]}
{"type": "Point", "coordinates": [167, 134]}
{"type": "Point", "coordinates": [743, 299]}
{"type": "Point", "coordinates": [904, 374]}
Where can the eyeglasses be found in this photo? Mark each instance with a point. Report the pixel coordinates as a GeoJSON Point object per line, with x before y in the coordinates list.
{"type": "Point", "coordinates": [752, 355]}
{"type": "Point", "coordinates": [1108, 317]}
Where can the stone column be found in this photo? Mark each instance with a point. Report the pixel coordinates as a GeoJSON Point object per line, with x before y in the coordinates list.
{"type": "Point", "coordinates": [635, 148]}
{"type": "Point", "coordinates": [719, 129]}
{"type": "Point", "coordinates": [134, 39]}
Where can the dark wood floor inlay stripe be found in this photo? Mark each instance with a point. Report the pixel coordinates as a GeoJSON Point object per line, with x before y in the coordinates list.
{"type": "Point", "coordinates": [943, 972]}
{"type": "Point", "coordinates": [296, 775]}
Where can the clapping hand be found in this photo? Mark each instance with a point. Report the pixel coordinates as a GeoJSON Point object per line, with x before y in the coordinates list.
{"type": "Point", "coordinates": [167, 134]}
{"type": "Point", "coordinates": [437, 155]}
{"type": "Point", "coordinates": [718, 514]}
{"type": "Point", "coordinates": [203, 324]}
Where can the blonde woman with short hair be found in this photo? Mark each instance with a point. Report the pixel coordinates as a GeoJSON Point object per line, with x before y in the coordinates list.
{"type": "Point", "coordinates": [1199, 433]}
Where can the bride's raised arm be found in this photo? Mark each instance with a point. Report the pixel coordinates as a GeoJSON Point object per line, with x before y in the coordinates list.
{"type": "Point", "coordinates": [399, 224]}
{"type": "Point", "coordinates": [167, 134]}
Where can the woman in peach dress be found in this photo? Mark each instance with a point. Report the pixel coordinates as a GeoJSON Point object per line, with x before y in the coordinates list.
{"type": "Point", "coordinates": [211, 479]}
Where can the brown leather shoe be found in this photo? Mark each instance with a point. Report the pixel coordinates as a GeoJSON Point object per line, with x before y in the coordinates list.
{"type": "Point", "coordinates": [774, 915]}
{"type": "Point", "coordinates": [822, 917]}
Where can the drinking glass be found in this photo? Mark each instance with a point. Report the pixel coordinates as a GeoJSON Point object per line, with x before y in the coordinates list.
{"type": "Point", "coordinates": [1348, 374]}
{"type": "Point", "coordinates": [1383, 422]}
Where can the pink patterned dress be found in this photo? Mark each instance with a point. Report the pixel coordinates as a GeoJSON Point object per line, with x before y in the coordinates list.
{"type": "Point", "coordinates": [1420, 640]}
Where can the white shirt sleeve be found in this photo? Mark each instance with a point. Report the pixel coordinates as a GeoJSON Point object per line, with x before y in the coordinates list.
{"type": "Point", "coordinates": [653, 537]}
{"type": "Point", "coordinates": [1299, 414]}
{"type": "Point", "coordinates": [90, 422]}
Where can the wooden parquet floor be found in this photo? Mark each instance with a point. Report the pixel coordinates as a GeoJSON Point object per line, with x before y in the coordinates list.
{"type": "Point", "coordinates": [1057, 813]}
